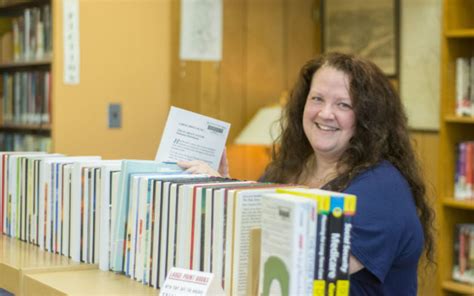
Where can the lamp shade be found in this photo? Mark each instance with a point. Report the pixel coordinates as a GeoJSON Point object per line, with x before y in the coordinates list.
{"type": "Point", "coordinates": [263, 128]}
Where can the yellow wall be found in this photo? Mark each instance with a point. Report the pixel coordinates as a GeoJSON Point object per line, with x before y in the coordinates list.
{"type": "Point", "coordinates": [124, 58]}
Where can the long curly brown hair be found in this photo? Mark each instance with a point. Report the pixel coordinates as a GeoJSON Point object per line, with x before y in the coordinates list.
{"type": "Point", "coordinates": [381, 133]}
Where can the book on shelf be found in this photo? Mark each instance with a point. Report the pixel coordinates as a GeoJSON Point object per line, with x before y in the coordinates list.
{"type": "Point", "coordinates": [464, 175]}
{"type": "Point", "coordinates": [463, 267]}
{"type": "Point", "coordinates": [465, 86]}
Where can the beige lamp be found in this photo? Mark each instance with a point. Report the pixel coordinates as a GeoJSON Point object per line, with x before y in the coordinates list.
{"type": "Point", "coordinates": [263, 128]}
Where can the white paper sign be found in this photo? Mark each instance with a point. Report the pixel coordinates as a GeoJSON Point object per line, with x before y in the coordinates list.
{"type": "Point", "coordinates": [192, 136]}
{"type": "Point", "coordinates": [201, 30]}
{"type": "Point", "coordinates": [71, 41]}
{"type": "Point", "coordinates": [190, 282]}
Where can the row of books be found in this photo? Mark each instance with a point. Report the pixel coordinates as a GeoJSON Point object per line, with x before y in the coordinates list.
{"type": "Point", "coordinates": [26, 97]}
{"type": "Point", "coordinates": [464, 175]}
{"type": "Point", "coordinates": [463, 267]}
{"type": "Point", "coordinates": [24, 142]}
{"type": "Point", "coordinates": [465, 86]}
{"type": "Point", "coordinates": [143, 217]}
{"type": "Point", "coordinates": [27, 37]}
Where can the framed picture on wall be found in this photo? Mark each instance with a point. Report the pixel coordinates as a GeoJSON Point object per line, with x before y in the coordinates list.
{"type": "Point", "coordinates": [368, 28]}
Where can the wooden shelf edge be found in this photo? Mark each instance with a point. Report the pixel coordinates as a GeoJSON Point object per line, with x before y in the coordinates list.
{"type": "Point", "coordinates": [22, 127]}
{"type": "Point", "coordinates": [457, 287]}
{"type": "Point", "coordinates": [459, 33]}
{"type": "Point", "coordinates": [19, 3]}
{"type": "Point", "coordinates": [458, 119]}
{"type": "Point", "coordinates": [460, 204]}
{"type": "Point", "coordinates": [23, 64]}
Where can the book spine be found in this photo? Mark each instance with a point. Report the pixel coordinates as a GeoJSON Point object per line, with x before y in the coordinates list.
{"type": "Point", "coordinates": [342, 281]}
{"type": "Point", "coordinates": [319, 284]}
{"type": "Point", "coordinates": [334, 242]}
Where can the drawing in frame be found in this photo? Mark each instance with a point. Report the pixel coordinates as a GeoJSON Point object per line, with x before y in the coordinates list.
{"type": "Point", "coordinates": [368, 28]}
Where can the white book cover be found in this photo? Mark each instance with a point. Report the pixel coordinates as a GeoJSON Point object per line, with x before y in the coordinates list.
{"type": "Point", "coordinates": [14, 190]}
{"type": "Point", "coordinates": [12, 196]}
{"type": "Point", "coordinates": [76, 199]}
{"type": "Point", "coordinates": [45, 191]}
{"type": "Point", "coordinates": [132, 223]}
{"type": "Point", "coordinates": [229, 223]}
{"type": "Point", "coordinates": [218, 234]}
{"type": "Point", "coordinates": [184, 225]}
{"type": "Point", "coordinates": [114, 184]}
{"type": "Point", "coordinates": [141, 228]}
{"type": "Point", "coordinates": [164, 232]}
{"type": "Point", "coordinates": [96, 201]}
{"type": "Point", "coordinates": [106, 175]}
{"type": "Point", "coordinates": [148, 228]}
{"type": "Point", "coordinates": [84, 216]}
{"type": "Point", "coordinates": [206, 252]}
{"type": "Point", "coordinates": [173, 196]}
{"type": "Point", "coordinates": [285, 243]}
{"type": "Point", "coordinates": [66, 237]}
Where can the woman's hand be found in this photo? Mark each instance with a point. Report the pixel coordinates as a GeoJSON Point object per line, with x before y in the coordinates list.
{"type": "Point", "coordinates": [200, 167]}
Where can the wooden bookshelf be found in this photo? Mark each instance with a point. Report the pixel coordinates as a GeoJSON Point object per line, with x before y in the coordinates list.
{"type": "Point", "coordinates": [457, 40]}
{"type": "Point", "coordinates": [459, 288]}
{"type": "Point", "coordinates": [25, 64]}
{"type": "Point", "coordinates": [83, 282]}
{"type": "Point", "coordinates": [459, 204]}
{"type": "Point", "coordinates": [19, 258]}
{"type": "Point", "coordinates": [25, 72]}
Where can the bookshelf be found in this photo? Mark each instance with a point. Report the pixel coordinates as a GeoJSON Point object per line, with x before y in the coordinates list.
{"type": "Point", "coordinates": [25, 68]}
{"type": "Point", "coordinates": [83, 282]}
{"type": "Point", "coordinates": [457, 40]}
{"type": "Point", "coordinates": [26, 270]}
{"type": "Point", "coordinates": [19, 258]}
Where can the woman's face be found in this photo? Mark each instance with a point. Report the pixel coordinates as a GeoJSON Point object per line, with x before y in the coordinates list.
{"type": "Point", "coordinates": [328, 117]}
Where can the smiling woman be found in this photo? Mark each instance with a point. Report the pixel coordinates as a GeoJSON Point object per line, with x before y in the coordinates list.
{"type": "Point", "coordinates": [345, 129]}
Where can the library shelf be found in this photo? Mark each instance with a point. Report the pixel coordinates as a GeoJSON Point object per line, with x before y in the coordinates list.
{"type": "Point", "coordinates": [26, 64]}
{"type": "Point", "coordinates": [18, 258]}
{"type": "Point", "coordinates": [84, 282]}
{"type": "Point", "coordinates": [459, 119]}
{"type": "Point", "coordinates": [460, 288]}
{"type": "Point", "coordinates": [457, 41]}
{"type": "Point", "coordinates": [459, 33]}
{"type": "Point", "coordinates": [29, 127]}
{"type": "Point", "coordinates": [460, 204]}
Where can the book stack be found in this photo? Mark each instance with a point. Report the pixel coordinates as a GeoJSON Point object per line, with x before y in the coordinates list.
{"type": "Point", "coordinates": [463, 267]}
{"type": "Point", "coordinates": [141, 218]}
{"type": "Point", "coordinates": [464, 176]}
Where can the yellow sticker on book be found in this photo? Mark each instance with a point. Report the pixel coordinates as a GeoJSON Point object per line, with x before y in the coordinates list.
{"type": "Point", "coordinates": [342, 288]}
{"type": "Point", "coordinates": [319, 288]}
{"type": "Point", "coordinates": [332, 289]}
{"type": "Point", "coordinates": [349, 204]}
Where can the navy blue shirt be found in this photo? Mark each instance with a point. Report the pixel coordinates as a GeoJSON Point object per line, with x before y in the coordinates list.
{"type": "Point", "coordinates": [387, 236]}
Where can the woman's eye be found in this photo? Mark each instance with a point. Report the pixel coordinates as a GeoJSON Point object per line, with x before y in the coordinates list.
{"type": "Point", "coordinates": [345, 106]}
{"type": "Point", "coordinates": [317, 99]}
